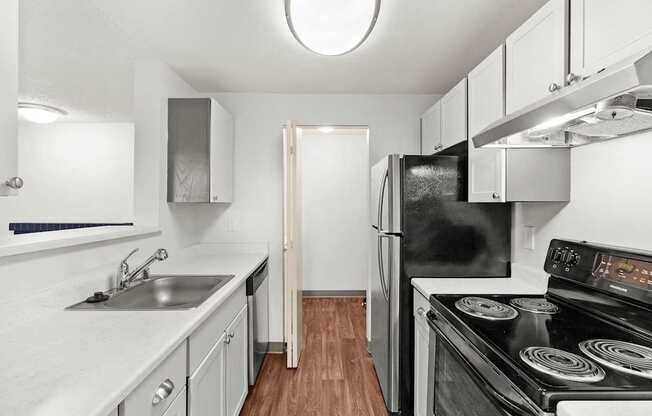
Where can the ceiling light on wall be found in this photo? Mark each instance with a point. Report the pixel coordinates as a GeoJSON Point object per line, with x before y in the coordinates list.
{"type": "Point", "coordinates": [333, 27]}
{"type": "Point", "coordinates": [39, 113]}
{"type": "Point", "coordinates": [326, 129]}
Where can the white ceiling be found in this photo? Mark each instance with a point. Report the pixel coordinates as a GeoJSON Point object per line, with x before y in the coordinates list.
{"type": "Point", "coordinates": [417, 46]}
{"type": "Point", "coordinates": [74, 58]}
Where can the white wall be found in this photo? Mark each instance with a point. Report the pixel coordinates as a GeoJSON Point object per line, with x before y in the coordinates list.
{"type": "Point", "coordinates": [256, 213]}
{"type": "Point", "coordinates": [335, 206]}
{"type": "Point", "coordinates": [75, 172]}
{"type": "Point", "coordinates": [27, 275]}
{"type": "Point", "coordinates": [611, 201]}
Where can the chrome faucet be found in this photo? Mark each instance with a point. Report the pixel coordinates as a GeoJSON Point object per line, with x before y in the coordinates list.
{"type": "Point", "coordinates": [124, 278]}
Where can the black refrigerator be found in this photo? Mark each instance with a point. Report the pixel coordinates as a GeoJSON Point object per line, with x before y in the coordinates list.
{"type": "Point", "coordinates": [423, 227]}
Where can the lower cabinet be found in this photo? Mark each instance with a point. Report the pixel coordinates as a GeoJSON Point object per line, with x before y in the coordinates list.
{"type": "Point", "coordinates": [178, 406]}
{"type": "Point", "coordinates": [206, 392]}
{"type": "Point", "coordinates": [237, 372]}
{"type": "Point", "coordinates": [219, 386]}
{"type": "Point", "coordinates": [421, 340]}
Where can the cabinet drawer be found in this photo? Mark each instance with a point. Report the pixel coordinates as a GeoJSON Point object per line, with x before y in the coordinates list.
{"type": "Point", "coordinates": [420, 304]}
{"type": "Point", "coordinates": [166, 382]}
{"type": "Point", "coordinates": [202, 340]}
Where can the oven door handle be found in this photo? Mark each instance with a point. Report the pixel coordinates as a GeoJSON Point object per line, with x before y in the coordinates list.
{"type": "Point", "coordinates": [483, 382]}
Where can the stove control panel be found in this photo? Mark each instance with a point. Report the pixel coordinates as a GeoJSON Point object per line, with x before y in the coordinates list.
{"type": "Point", "coordinates": [610, 269]}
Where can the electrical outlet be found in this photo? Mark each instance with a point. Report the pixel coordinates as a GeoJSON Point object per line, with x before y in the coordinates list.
{"type": "Point", "coordinates": [528, 237]}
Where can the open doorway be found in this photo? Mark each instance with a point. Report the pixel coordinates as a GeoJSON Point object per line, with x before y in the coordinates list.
{"type": "Point", "coordinates": [327, 370]}
{"type": "Point", "coordinates": [334, 172]}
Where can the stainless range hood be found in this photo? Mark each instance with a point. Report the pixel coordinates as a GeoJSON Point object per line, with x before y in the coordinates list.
{"type": "Point", "coordinates": [614, 102]}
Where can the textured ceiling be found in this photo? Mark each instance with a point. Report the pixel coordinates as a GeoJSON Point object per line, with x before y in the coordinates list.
{"type": "Point", "coordinates": [74, 58]}
{"type": "Point", "coordinates": [417, 46]}
{"type": "Point", "coordinates": [79, 54]}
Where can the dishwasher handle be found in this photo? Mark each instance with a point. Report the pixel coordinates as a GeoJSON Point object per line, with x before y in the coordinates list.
{"type": "Point", "coordinates": [257, 278]}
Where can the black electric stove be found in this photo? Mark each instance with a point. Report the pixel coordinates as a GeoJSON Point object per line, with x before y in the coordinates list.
{"type": "Point", "coordinates": [588, 338]}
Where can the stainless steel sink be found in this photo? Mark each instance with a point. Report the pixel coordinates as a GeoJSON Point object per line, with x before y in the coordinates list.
{"type": "Point", "coordinates": [162, 292]}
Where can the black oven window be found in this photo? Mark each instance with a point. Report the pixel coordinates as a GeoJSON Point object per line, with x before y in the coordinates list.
{"type": "Point", "coordinates": [456, 391]}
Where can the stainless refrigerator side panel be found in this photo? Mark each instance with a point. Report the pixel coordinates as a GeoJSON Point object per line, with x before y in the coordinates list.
{"type": "Point", "coordinates": [393, 224]}
{"type": "Point", "coordinates": [380, 328]}
{"type": "Point", "coordinates": [378, 172]}
{"type": "Point", "coordinates": [394, 285]}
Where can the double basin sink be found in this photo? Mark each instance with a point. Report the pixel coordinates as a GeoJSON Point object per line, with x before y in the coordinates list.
{"type": "Point", "coordinates": [161, 292]}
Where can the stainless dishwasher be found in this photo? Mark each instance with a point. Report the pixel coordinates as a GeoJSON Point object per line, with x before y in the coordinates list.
{"type": "Point", "coordinates": [258, 315]}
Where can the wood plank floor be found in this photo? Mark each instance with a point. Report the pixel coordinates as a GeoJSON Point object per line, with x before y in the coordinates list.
{"type": "Point", "coordinates": [335, 374]}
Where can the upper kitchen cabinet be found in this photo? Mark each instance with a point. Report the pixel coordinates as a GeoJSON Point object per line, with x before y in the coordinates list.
{"type": "Point", "coordinates": [200, 151]}
{"type": "Point", "coordinates": [603, 32]}
{"type": "Point", "coordinates": [431, 130]}
{"type": "Point", "coordinates": [505, 175]}
{"type": "Point", "coordinates": [453, 116]}
{"type": "Point", "coordinates": [8, 94]}
{"type": "Point", "coordinates": [486, 105]}
{"type": "Point", "coordinates": [537, 56]}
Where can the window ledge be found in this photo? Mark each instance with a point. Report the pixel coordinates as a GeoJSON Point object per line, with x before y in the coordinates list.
{"type": "Point", "coordinates": [31, 243]}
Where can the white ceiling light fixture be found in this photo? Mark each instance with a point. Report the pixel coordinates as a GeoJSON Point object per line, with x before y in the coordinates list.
{"type": "Point", "coordinates": [326, 129]}
{"type": "Point", "coordinates": [333, 27]}
{"type": "Point", "coordinates": [39, 113]}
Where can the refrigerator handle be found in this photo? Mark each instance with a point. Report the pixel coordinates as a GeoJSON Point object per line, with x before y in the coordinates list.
{"type": "Point", "coordinates": [381, 198]}
{"type": "Point", "coordinates": [381, 270]}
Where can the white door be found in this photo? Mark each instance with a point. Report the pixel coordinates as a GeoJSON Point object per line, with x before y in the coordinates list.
{"type": "Point", "coordinates": [431, 130]}
{"type": "Point", "coordinates": [537, 56]}
{"type": "Point", "coordinates": [8, 93]}
{"type": "Point", "coordinates": [453, 116]}
{"type": "Point", "coordinates": [178, 406]}
{"type": "Point", "coordinates": [206, 386]}
{"type": "Point", "coordinates": [292, 260]}
{"type": "Point", "coordinates": [486, 105]}
{"type": "Point", "coordinates": [237, 382]}
{"type": "Point", "coordinates": [421, 339]}
{"type": "Point", "coordinates": [603, 32]}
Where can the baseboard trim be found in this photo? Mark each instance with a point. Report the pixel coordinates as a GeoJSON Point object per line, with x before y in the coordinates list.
{"type": "Point", "coordinates": [334, 293]}
{"type": "Point", "coordinates": [276, 347]}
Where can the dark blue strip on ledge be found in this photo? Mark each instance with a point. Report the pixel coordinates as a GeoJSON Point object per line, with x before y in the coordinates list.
{"type": "Point", "coordinates": [41, 227]}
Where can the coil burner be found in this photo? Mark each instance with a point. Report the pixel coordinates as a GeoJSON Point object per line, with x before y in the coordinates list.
{"type": "Point", "coordinates": [620, 356]}
{"type": "Point", "coordinates": [535, 305]}
{"type": "Point", "coordinates": [486, 309]}
{"type": "Point", "coordinates": [562, 364]}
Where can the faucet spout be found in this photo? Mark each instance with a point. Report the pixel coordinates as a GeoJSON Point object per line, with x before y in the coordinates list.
{"type": "Point", "coordinates": [140, 272]}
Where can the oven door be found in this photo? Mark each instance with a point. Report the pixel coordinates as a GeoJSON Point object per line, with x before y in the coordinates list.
{"type": "Point", "coordinates": [462, 382]}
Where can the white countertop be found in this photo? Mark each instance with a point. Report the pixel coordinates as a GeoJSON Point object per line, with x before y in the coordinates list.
{"type": "Point", "coordinates": [524, 281]}
{"type": "Point", "coordinates": [84, 363]}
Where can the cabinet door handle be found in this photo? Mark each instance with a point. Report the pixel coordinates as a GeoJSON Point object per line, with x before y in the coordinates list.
{"type": "Point", "coordinates": [439, 146]}
{"type": "Point", "coordinates": [227, 339]}
{"type": "Point", "coordinates": [231, 334]}
{"type": "Point", "coordinates": [572, 78]}
{"type": "Point", "coordinates": [554, 87]}
{"type": "Point", "coordinates": [163, 391]}
{"type": "Point", "coordinates": [495, 195]}
{"type": "Point", "coordinates": [421, 312]}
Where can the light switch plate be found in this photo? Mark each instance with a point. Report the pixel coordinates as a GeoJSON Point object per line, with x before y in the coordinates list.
{"type": "Point", "coordinates": [528, 237]}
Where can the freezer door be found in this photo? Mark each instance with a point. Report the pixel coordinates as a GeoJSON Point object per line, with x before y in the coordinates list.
{"type": "Point", "coordinates": [384, 316]}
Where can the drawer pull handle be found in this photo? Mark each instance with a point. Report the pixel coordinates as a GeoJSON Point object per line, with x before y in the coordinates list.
{"type": "Point", "coordinates": [421, 312]}
{"type": "Point", "coordinates": [163, 391]}
{"type": "Point", "coordinates": [231, 335]}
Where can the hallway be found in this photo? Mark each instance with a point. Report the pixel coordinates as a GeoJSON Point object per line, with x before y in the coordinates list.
{"type": "Point", "coordinates": [335, 374]}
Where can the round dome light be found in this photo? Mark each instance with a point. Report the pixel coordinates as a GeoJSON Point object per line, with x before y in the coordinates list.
{"type": "Point", "coordinates": [39, 113]}
{"type": "Point", "coordinates": [333, 27]}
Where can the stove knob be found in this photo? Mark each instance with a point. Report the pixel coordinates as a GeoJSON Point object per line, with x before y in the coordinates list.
{"type": "Point", "coordinates": [557, 255]}
{"type": "Point", "coordinates": [573, 259]}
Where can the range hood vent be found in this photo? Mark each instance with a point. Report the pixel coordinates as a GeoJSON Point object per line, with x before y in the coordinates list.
{"type": "Point", "coordinates": [614, 102]}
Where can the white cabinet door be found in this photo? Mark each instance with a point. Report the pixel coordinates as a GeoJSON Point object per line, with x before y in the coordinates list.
{"type": "Point", "coordinates": [8, 93]}
{"type": "Point", "coordinates": [537, 56]}
{"type": "Point", "coordinates": [421, 340]}
{"type": "Point", "coordinates": [453, 116]}
{"type": "Point", "coordinates": [486, 105]}
{"type": "Point", "coordinates": [178, 406]}
{"type": "Point", "coordinates": [206, 386]}
{"type": "Point", "coordinates": [236, 355]}
{"type": "Point", "coordinates": [221, 179]}
{"type": "Point", "coordinates": [431, 130]}
{"type": "Point", "coordinates": [603, 32]}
